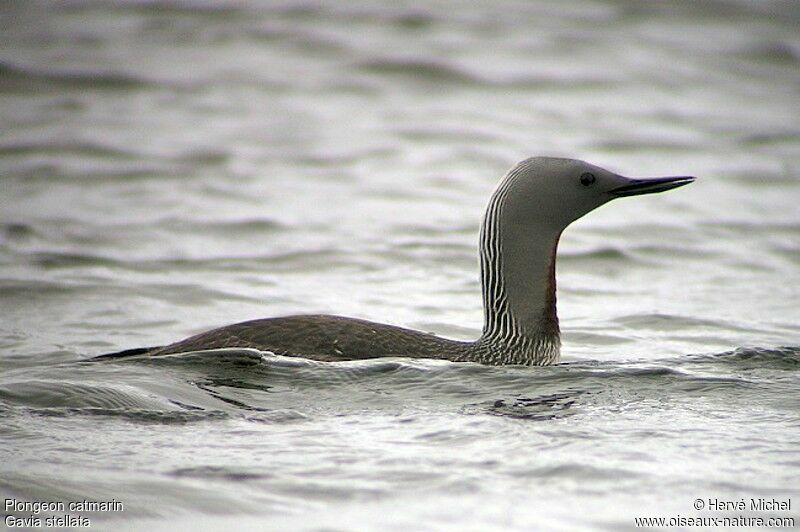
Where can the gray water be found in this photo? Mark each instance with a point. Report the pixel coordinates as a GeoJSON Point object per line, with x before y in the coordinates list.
{"type": "Point", "coordinates": [168, 167]}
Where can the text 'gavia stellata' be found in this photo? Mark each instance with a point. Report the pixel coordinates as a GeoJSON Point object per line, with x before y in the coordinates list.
{"type": "Point", "coordinates": [532, 205]}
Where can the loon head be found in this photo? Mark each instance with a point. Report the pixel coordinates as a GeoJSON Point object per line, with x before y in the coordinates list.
{"type": "Point", "coordinates": [551, 193]}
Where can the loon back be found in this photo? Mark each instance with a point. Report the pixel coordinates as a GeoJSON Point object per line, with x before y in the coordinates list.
{"type": "Point", "coordinates": [336, 338]}
{"type": "Point", "coordinates": [320, 337]}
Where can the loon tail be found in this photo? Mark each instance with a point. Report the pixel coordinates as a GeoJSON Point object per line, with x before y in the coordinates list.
{"type": "Point", "coordinates": [126, 353]}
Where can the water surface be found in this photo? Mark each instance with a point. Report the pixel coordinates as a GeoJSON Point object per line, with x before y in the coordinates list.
{"type": "Point", "coordinates": [168, 167]}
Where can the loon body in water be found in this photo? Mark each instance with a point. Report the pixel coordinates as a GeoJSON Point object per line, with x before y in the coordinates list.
{"type": "Point", "coordinates": [532, 205]}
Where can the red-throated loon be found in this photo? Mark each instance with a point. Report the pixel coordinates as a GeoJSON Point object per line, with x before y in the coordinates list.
{"type": "Point", "coordinates": [532, 205]}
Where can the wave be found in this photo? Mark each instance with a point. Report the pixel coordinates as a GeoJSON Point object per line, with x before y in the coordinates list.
{"type": "Point", "coordinates": [786, 357]}
{"type": "Point", "coordinates": [166, 417]}
{"type": "Point", "coordinates": [267, 388]}
{"type": "Point", "coordinates": [783, 355]}
{"type": "Point", "coordinates": [28, 77]}
{"type": "Point", "coordinates": [420, 70]}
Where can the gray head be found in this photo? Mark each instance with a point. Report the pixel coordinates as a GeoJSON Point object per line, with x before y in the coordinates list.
{"type": "Point", "coordinates": [550, 193]}
{"type": "Point", "coordinates": [538, 198]}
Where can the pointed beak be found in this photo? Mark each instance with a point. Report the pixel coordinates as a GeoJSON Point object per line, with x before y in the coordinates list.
{"type": "Point", "coordinates": [634, 187]}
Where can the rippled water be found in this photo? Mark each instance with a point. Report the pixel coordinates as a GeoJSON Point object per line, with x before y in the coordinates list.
{"type": "Point", "coordinates": [168, 167]}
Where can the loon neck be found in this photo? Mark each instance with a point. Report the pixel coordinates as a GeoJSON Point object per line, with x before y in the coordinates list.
{"type": "Point", "coordinates": [518, 281]}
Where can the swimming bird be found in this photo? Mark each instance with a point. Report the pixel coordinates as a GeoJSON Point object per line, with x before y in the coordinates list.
{"type": "Point", "coordinates": [535, 201]}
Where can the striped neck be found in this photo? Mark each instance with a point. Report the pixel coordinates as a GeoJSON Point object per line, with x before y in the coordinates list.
{"type": "Point", "coordinates": [518, 280]}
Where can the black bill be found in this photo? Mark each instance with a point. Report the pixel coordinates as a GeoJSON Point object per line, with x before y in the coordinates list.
{"type": "Point", "coordinates": [650, 186]}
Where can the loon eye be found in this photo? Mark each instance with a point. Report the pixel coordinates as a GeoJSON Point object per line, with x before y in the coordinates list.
{"type": "Point", "coordinates": [588, 179]}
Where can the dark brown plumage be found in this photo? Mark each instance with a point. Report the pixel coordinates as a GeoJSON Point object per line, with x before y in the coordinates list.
{"type": "Point", "coordinates": [321, 337]}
